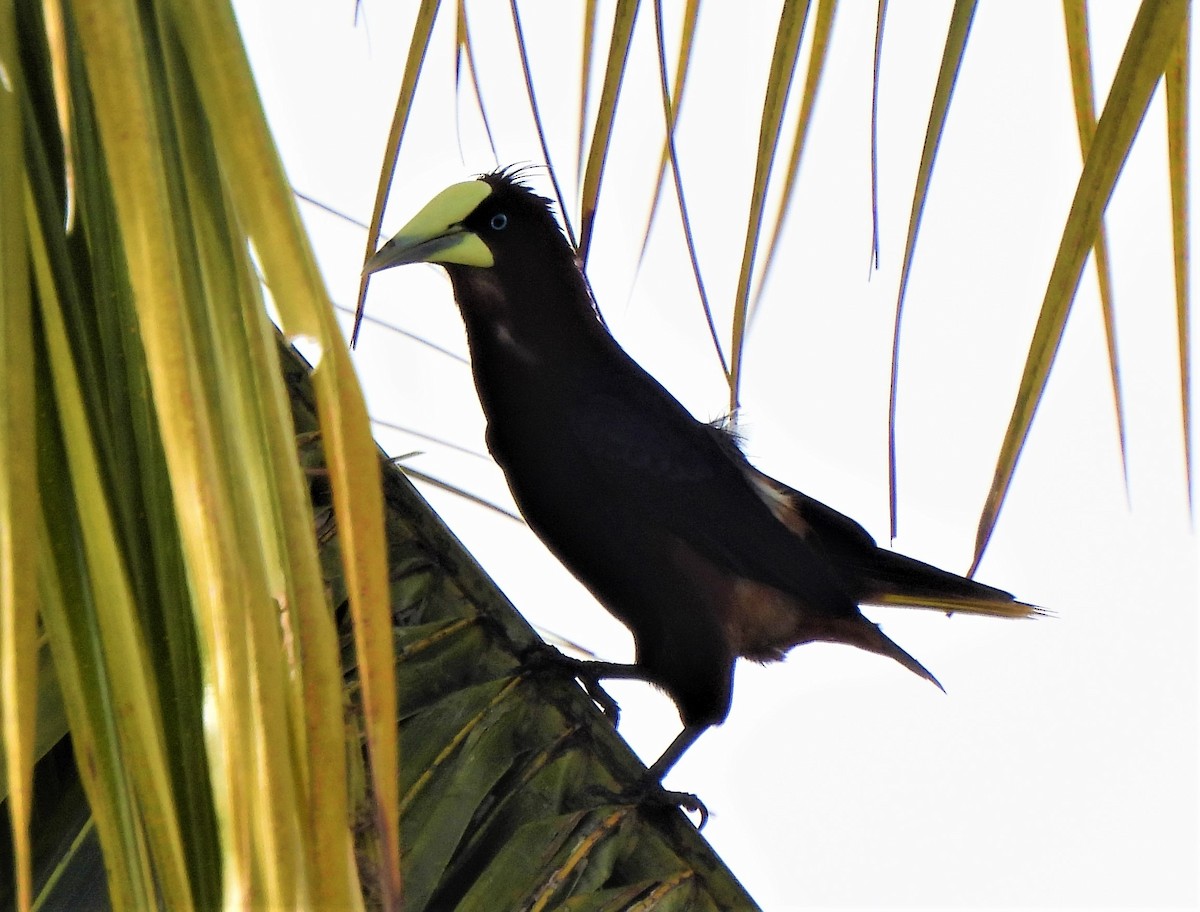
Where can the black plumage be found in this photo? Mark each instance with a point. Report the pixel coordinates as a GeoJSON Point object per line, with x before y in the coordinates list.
{"type": "Point", "coordinates": [704, 558]}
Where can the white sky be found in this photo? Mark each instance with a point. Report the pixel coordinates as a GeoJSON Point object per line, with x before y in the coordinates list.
{"type": "Point", "coordinates": [1060, 770]}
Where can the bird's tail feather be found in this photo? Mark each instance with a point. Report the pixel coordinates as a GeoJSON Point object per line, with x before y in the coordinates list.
{"type": "Point", "coordinates": [951, 604]}
{"type": "Point", "coordinates": [862, 633]}
{"type": "Point", "coordinates": [905, 582]}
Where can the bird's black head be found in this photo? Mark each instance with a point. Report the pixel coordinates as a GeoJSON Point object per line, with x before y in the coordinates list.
{"type": "Point", "coordinates": [495, 221]}
{"type": "Point", "coordinates": [509, 262]}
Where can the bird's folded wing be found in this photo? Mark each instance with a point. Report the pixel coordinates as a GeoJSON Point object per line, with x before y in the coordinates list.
{"type": "Point", "coordinates": [884, 577]}
{"type": "Point", "coordinates": [676, 474]}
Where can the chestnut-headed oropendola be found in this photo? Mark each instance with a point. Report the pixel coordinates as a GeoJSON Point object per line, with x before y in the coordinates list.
{"type": "Point", "coordinates": [703, 557]}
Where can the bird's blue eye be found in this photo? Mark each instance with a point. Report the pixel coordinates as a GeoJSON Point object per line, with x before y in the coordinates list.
{"type": "Point", "coordinates": [499, 221]}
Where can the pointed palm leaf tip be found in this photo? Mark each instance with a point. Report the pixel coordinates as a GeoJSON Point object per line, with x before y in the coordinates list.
{"type": "Point", "coordinates": [436, 234]}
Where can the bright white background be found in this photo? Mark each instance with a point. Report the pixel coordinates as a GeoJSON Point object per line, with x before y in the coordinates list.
{"type": "Point", "coordinates": [1060, 770]}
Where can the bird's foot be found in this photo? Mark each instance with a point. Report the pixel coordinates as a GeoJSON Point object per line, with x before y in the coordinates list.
{"type": "Point", "coordinates": [685, 801]}
{"type": "Point", "coordinates": [543, 657]}
{"type": "Point", "coordinates": [650, 793]}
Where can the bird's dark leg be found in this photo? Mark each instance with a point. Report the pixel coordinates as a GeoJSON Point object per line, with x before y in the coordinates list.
{"type": "Point", "coordinates": [588, 672]}
{"type": "Point", "coordinates": [653, 789]}
{"type": "Point", "coordinates": [648, 790]}
{"type": "Point", "coordinates": [674, 751]}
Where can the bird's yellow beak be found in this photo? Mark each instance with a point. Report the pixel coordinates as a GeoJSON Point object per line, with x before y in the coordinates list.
{"type": "Point", "coordinates": [436, 235]}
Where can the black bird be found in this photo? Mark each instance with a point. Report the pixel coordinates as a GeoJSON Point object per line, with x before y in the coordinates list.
{"type": "Point", "coordinates": [704, 558]}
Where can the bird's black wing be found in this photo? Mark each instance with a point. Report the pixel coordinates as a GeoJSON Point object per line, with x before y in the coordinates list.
{"type": "Point", "coordinates": [675, 474]}
{"type": "Point", "coordinates": [872, 573]}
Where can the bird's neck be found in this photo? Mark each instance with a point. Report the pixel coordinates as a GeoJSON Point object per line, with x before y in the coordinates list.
{"type": "Point", "coordinates": [526, 338]}
{"type": "Point", "coordinates": [523, 323]}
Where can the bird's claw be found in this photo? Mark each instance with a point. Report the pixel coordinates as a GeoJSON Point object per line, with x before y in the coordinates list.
{"type": "Point", "coordinates": [542, 656]}
{"type": "Point", "coordinates": [602, 698]}
{"type": "Point", "coordinates": [649, 792]}
{"type": "Point", "coordinates": [685, 801]}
